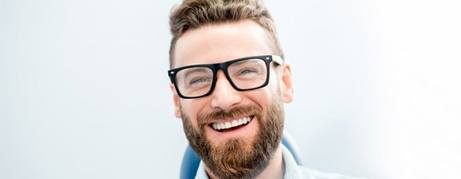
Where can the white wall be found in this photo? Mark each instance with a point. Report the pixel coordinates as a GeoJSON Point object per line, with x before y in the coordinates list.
{"type": "Point", "coordinates": [84, 89]}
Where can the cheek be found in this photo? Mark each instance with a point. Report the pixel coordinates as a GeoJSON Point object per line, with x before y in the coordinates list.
{"type": "Point", "coordinates": [192, 110]}
{"type": "Point", "coordinates": [272, 90]}
{"type": "Point", "coordinates": [261, 97]}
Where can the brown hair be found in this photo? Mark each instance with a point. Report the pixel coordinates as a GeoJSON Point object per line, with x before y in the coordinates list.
{"type": "Point", "coordinates": [192, 14]}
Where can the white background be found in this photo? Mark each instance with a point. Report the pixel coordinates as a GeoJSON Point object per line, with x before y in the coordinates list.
{"type": "Point", "coordinates": [84, 89]}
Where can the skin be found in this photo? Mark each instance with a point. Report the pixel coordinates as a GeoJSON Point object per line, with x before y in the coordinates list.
{"type": "Point", "coordinates": [219, 43]}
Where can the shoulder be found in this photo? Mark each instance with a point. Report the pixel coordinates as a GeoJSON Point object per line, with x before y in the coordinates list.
{"type": "Point", "coordinates": [314, 174]}
{"type": "Point", "coordinates": [295, 171]}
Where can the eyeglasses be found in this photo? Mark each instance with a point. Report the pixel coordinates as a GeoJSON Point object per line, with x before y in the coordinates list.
{"type": "Point", "coordinates": [248, 73]}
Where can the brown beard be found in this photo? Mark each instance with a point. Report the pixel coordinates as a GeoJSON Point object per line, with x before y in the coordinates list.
{"type": "Point", "coordinates": [233, 159]}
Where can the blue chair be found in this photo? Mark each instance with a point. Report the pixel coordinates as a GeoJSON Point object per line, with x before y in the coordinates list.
{"type": "Point", "coordinates": [191, 160]}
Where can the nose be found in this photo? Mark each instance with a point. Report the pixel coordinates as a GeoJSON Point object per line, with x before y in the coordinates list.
{"type": "Point", "coordinates": [224, 96]}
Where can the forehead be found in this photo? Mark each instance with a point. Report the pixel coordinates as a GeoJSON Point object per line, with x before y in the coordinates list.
{"type": "Point", "coordinates": [221, 42]}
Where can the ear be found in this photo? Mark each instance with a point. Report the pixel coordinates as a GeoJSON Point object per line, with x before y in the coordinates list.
{"type": "Point", "coordinates": [176, 101]}
{"type": "Point", "coordinates": [287, 83]}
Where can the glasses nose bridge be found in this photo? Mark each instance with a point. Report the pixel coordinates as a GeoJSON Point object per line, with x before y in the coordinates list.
{"type": "Point", "coordinates": [221, 66]}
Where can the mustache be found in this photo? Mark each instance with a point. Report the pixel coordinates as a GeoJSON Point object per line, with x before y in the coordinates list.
{"type": "Point", "coordinates": [233, 113]}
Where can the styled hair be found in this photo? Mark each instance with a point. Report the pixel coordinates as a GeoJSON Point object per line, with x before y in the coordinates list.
{"type": "Point", "coordinates": [192, 14]}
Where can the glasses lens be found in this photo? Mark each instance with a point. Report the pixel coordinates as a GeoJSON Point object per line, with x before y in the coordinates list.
{"type": "Point", "coordinates": [195, 81]}
{"type": "Point", "coordinates": [249, 73]}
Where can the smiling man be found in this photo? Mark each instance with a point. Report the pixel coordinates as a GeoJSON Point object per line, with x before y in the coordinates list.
{"type": "Point", "coordinates": [230, 82]}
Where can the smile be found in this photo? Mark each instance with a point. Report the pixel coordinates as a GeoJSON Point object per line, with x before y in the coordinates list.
{"type": "Point", "coordinates": [224, 126]}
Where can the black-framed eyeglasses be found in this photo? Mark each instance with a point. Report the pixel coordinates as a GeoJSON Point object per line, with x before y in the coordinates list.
{"type": "Point", "coordinates": [248, 73]}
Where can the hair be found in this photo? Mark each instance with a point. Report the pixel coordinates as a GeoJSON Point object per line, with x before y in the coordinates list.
{"type": "Point", "coordinates": [192, 14]}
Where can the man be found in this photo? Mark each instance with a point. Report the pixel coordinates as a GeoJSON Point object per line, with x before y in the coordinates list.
{"type": "Point", "coordinates": [230, 82]}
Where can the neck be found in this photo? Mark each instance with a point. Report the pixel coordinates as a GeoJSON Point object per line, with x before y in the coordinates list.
{"type": "Point", "coordinates": [274, 170]}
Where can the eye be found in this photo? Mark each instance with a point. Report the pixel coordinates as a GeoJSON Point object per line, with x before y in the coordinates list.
{"type": "Point", "coordinates": [198, 81]}
{"type": "Point", "coordinates": [247, 72]}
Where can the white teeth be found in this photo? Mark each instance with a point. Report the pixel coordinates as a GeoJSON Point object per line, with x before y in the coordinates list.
{"type": "Point", "coordinates": [233, 123]}
{"type": "Point", "coordinates": [227, 125]}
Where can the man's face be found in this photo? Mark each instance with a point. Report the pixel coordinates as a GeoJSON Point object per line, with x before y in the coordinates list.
{"type": "Point", "coordinates": [243, 150]}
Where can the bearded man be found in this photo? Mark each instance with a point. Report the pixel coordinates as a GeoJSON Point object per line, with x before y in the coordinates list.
{"type": "Point", "coordinates": [230, 81]}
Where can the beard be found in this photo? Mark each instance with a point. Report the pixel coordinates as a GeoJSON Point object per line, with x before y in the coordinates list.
{"type": "Point", "coordinates": [233, 159]}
